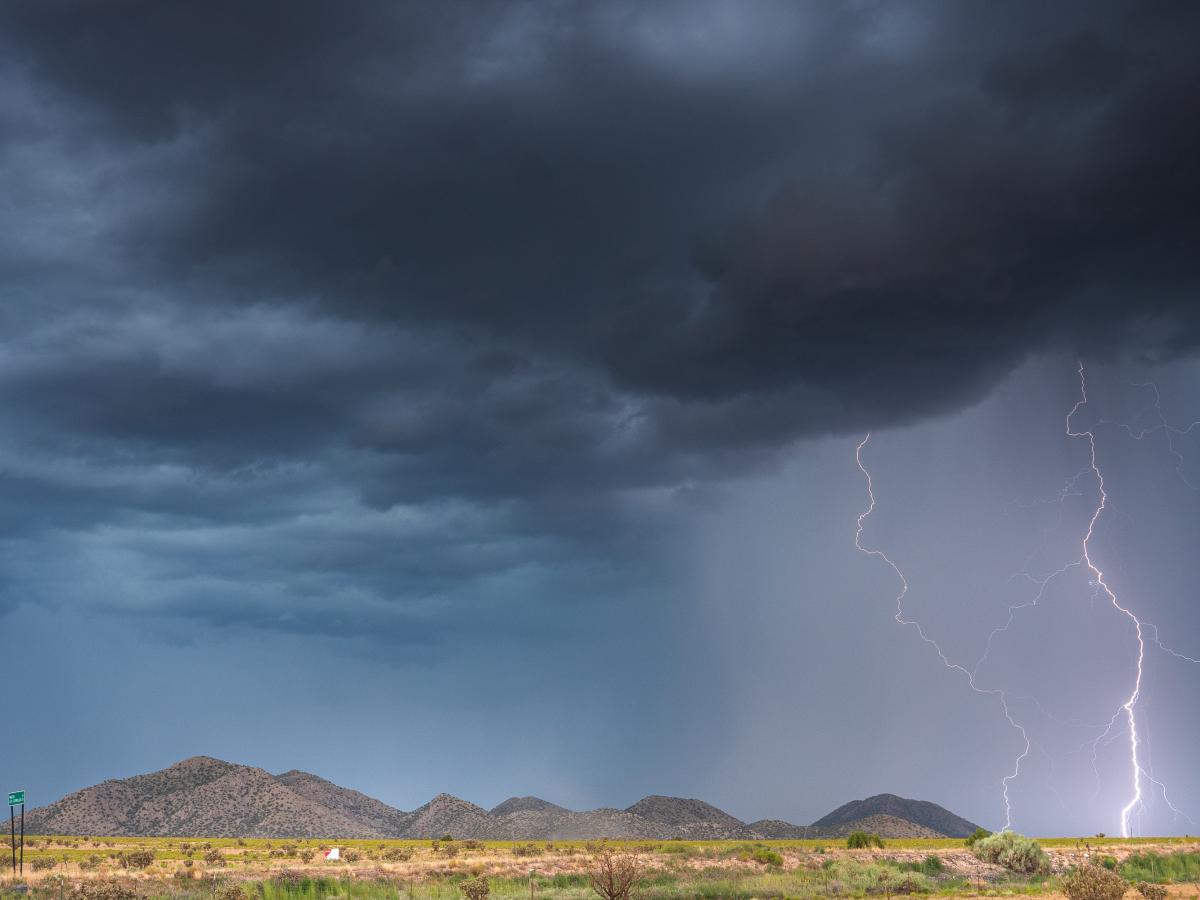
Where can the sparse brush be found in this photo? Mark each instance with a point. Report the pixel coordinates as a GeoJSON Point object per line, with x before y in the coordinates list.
{"type": "Point", "coordinates": [42, 863]}
{"type": "Point", "coordinates": [397, 854]}
{"type": "Point", "coordinates": [1151, 891]}
{"type": "Point", "coordinates": [1090, 882]}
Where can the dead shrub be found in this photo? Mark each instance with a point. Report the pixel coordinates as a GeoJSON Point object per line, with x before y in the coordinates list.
{"type": "Point", "coordinates": [615, 876]}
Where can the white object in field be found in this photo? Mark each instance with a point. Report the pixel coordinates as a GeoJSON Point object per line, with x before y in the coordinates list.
{"type": "Point", "coordinates": [333, 853]}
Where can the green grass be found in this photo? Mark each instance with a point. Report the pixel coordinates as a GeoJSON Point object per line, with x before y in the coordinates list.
{"type": "Point", "coordinates": [1161, 868]}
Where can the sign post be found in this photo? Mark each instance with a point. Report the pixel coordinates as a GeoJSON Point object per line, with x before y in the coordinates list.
{"type": "Point", "coordinates": [15, 799]}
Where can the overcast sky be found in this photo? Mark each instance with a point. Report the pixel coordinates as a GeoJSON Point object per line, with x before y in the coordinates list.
{"type": "Point", "coordinates": [464, 396]}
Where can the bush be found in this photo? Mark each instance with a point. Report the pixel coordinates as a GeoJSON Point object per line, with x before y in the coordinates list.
{"type": "Point", "coordinates": [447, 838]}
{"type": "Point", "coordinates": [977, 835]}
{"type": "Point", "coordinates": [232, 892]}
{"type": "Point", "coordinates": [91, 863]}
{"type": "Point", "coordinates": [475, 888]}
{"type": "Point", "coordinates": [42, 863]}
{"type": "Point", "coordinates": [1151, 891]}
{"type": "Point", "coordinates": [614, 877]}
{"type": "Point", "coordinates": [1109, 862]}
{"type": "Point", "coordinates": [767, 857]}
{"type": "Point", "coordinates": [214, 857]}
{"type": "Point", "coordinates": [103, 890]}
{"type": "Point", "coordinates": [351, 855]}
{"type": "Point", "coordinates": [526, 850]}
{"type": "Point", "coordinates": [859, 840]}
{"type": "Point", "coordinates": [1013, 851]}
{"type": "Point", "coordinates": [137, 859]}
{"type": "Point", "coordinates": [472, 845]}
{"type": "Point", "coordinates": [1094, 883]}
{"type": "Point", "coordinates": [450, 849]}
{"type": "Point", "coordinates": [397, 854]}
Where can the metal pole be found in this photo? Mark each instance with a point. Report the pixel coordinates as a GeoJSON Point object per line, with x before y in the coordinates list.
{"type": "Point", "coordinates": [22, 838]}
{"type": "Point", "coordinates": [12, 836]}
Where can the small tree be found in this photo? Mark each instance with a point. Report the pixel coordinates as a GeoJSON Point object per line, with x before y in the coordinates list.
{"type": "Point", "coordinates": [1090, 882]}
{"type": "Point", "coordinates": [614, 877]}
{"type": "Point", "coordinates": [977, 835]}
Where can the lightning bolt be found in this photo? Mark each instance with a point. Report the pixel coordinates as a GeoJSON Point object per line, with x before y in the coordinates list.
{"type": "Point", "coordinates": [1140, 774]}
{"type": "Point", "coordinates": [900, 617]}
{"type": "Point", "coordinates": [1135, 802]}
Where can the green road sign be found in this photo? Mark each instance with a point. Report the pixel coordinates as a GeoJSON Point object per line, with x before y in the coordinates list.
{"type": "Point", "coordinates": [16, 798]}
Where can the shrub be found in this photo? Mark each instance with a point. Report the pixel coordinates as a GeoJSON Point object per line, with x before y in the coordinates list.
{"type": "Point", "coordinates": [1151, 891]}
{"type": "Point", "coordinates": [397, 854]}
{"type": "Point", "coordinates": [767, 857]}
{"type": "Point", "coordinates": [232, 892]}
{"type": "Point", "coordinates": [137, 859]}
{"type": "Point", "coordinates": [351, 855]}
{"type": "Point", "coordinates": [614, 877]}
{"type": "Point", "coordinates": [526, 850]}
{"type": "Point", "coordinates": [42, 863]}
{"type": "Point", "coordinates": [858, 840]}
{"type": "Point", "coordinates": [214, 858]}
{"type": "Point", "coordinates": [475, 888]}
{"type": "Point", "coordinates": [1094, 883]}
{"type": "Point", "coordinates": [447, 838]}
{"type": "Point", "coordinates": [1013, 851]}
{"type": "Point", "coordinates": [472, 845]}
{"type": "Point", "coordinates": [91, 863]}
{"type": "Point", "coordinates": [103, 890]}
{"type": "Point", "coordinates": [450, 849]}
{"type": "Point", "coordinates": [1109, 862]}
{"type": "Point", "coordinates": [977, 835]}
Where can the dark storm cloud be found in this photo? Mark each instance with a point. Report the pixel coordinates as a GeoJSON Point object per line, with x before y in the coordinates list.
{"type": "Point", "coordinates": [566, 260]}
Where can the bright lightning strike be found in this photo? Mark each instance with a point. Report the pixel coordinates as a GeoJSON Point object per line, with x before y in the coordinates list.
{"type": "Point", "coordinates": [1127, 710]}
{"type": "Point", "coordinates": [901, 619]}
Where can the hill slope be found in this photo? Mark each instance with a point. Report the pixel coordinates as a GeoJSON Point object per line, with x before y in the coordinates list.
{"type": "Point", "coordinates": [929, 816]}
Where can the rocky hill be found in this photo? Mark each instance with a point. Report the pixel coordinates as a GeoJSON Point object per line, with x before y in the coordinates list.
{"type": "Point", "coordinates": [935, 820]}
{"type": "Point", "coordinates": [202, 797]}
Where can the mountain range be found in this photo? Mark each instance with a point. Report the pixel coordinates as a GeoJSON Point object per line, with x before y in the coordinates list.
{"type": "Point", "coordinates": [208, 797]}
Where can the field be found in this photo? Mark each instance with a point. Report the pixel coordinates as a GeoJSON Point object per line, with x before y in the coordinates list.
{"type": "Point", "coordinates": [84, 868]}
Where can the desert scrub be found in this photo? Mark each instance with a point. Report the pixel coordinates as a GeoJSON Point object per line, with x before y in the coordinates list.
{"type": "Point", "coordinates": [859, 840]}
{"type": "Point", "coordinates": [397, 854]}
{"type": "Point", "coordinates": [213, 857]}
{"type": "Point", "coordinates": [1013, 851]}
{"type": "Point", "coordinates": [1094, 883]}
{"type": "Point", "coordinates": [475, 888]}
{"type": "Point", "coordinates": [42, 863]}
{"type": "Point", "coordinates": [1151, 891]}
{"type": "Point", "coordinates": [526, 850]}
{"type": "Point", "coordinates": [351, 855]}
